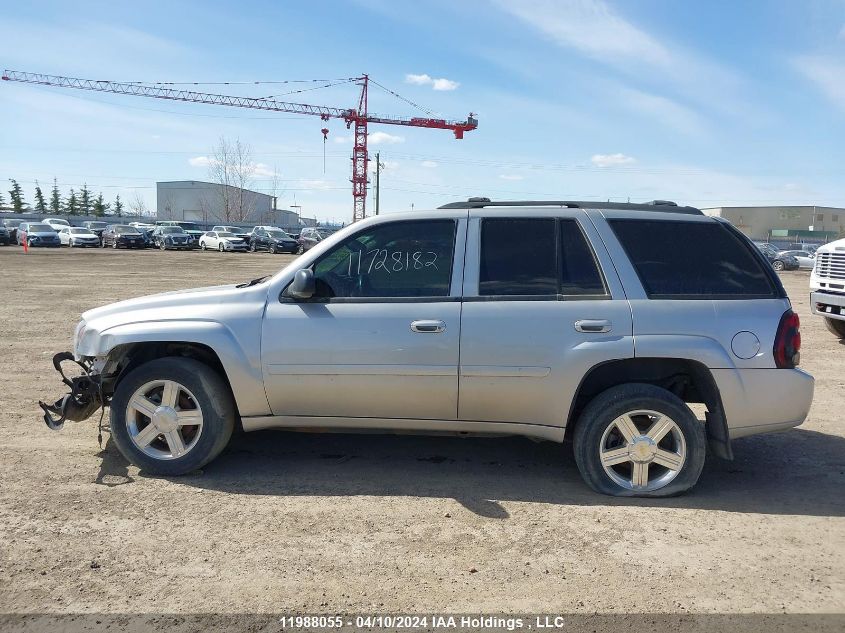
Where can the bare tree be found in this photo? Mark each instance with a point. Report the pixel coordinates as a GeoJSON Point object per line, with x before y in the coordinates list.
{"type": "Point", "coordinates": [138, 205]}
{"type": "Point", "coordinates": [233, 169]}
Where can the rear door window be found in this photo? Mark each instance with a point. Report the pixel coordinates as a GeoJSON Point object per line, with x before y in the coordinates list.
{"type": "Point", "coordinates": [537, 257]}
{"type": "Point", "coordinates": [692, 260]}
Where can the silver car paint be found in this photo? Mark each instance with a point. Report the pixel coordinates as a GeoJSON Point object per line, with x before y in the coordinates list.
{"type": "Point", "coordinates": [509, 367]}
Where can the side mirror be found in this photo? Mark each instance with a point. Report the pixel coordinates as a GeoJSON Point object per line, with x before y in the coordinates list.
{"type": "Point", "coordinates": [302, 286]}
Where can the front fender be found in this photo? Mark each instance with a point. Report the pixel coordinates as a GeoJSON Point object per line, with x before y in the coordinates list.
{"type": "Point", "coordinates": [241, 362]}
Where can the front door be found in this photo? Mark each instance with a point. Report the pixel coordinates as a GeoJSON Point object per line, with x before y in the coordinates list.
{"type": "Point", "coordinates": [380, 338]}
{"type": "Point", "coordinates": [541, 308]}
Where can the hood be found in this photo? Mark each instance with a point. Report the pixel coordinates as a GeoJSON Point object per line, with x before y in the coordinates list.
{"type": "Point", "coordinates": [41, 233]}
{"type": "Point", "coordinates": [832, 247]}
{"type": "Point", "coordinates": [233, 307]}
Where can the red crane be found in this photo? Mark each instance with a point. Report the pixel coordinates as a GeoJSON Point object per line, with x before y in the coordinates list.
{"type": "Point", "coordinates": [358, 117]}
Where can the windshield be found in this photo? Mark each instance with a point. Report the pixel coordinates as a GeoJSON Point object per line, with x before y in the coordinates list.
{"type": "Point", "coordinates": [130, 230]}
{"type": "Point", "coordinates": [41, 228]}
{"type": "Point", "coordinates": [190, 226]}
{"type": "Point", "coordinates": [225, 234]}
{"type": "Point", "coordinates": [97, 225]}
{"type": "Point", "coordinates": [172, 229]}
{"type": "Point", "coordinates": [81, 232]}
{"type": "Point", "coordinates": [278, 234]}
{"type": "Point", "coordinates": [62, 222]}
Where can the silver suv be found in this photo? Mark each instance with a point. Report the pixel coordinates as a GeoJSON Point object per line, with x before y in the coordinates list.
{"type": "Point", "coordinates": [591, 322]}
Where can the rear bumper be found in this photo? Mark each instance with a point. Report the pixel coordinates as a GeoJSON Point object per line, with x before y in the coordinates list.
{"type": "Point", "coordinates": [764, 400]}
{"type": "Point", "coordinates": [828, 305]}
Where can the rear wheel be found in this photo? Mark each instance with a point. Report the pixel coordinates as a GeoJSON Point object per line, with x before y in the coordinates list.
{"type": "Point", "coordinates": [220, 247]}
{"type": "Point", "coordinates": [638, 440]}
{"type": "Point", "coordinates": [272, 249]}
{"type": "Point", "coordinates": [777, 265]}
{"type": "Point", "coordinates": [252, 247]}
{"type": "Point", "coordinates": [114, 245]}
{"type": "Point", "coordinates": [203, 246]}
{"type": "Point", "coordinates": [162, 246]}
{"type": "Point", "coordinates": [835, 327]}
{"type": "Point", "coordinates": [171, 416]}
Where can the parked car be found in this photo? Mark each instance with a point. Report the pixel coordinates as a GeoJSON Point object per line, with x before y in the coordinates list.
{"type": "Point", "coordinates": [309, 237]}
{"type": "Point", "coordinates": [237, 230]}
{"type": "Point", "coordinates": [191, 228]}
{"type": "Point", "coordinates": [37, 234]}
{"type": "Point", "coordinates": [117, 235]}
{"type": "Point", "coordinates": [11, 225]}
{"type": "Point", "coordinates": [776, 259]}
{"type": "Point", "coordinates": [78, 236]}
{"type": "Point", "coordinates": [223, 241]}
{"type": "Point", "coordinates": [5, 240]}
{"type": "Point", "coordinates": [827, 287]}
{"type": "Point", "coordinates": [597, 322]}
{"type": "Point", "coordinates": [57, 223]}
{"type": "Point", "coordinates": [804, 259]}
{"type": "Point", "coordinates": [272, 239]}
{"type": "Point", "coordinates": [170, 236]}
{"type": "Point", "coordinates": [96, 227]}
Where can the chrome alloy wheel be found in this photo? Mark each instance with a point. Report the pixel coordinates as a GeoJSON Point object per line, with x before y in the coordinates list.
{"type": "Point", "coordinates": [164, 419]}
{"type": "Point", "coordinates": [642, 450]}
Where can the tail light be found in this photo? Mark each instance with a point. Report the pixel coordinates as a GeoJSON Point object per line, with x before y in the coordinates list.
{"type": "Point", "coordinates": [787, 350]}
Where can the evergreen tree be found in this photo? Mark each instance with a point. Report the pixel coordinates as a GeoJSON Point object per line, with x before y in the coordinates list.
{"type": "Point", "coordinates": [16, 193]}
{"type": "Point", "coordinates": [100, 207]}
{"type": "Point", "coordinates": [55, 198]}
{"type": "Point", "coordinates": [72, 204]}
{"type": "Point", "coordinates": [118, 206]}
{"type": "Point", "coordinates": [40, 203]}
{"type": "Point", "coordinates": [85, 200]}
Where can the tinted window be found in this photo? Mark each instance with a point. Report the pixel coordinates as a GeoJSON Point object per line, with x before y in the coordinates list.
{"type": "Point", "coordinates": [400, 259]}
{"type": "Point", "coordinates": [579, 273]}
{"type": "Point", "coordinates": [518, 257]}
{"type": "Point", "coordinates": [530, 256]}
{"type": "Point", "coordinates": [692, 260]}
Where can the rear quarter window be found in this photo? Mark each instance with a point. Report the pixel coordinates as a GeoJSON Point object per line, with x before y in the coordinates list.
{"type": "Point", "coordinates": [693, 260]}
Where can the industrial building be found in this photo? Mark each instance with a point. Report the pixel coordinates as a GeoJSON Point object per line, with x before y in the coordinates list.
{"type": "Point", "coordinates": [212, 203]}
{"type": "Point", "coordinates": [807, 223]}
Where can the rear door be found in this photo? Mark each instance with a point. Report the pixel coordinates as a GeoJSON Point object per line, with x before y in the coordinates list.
{"type": "Point", "coordinates": [542, 306]}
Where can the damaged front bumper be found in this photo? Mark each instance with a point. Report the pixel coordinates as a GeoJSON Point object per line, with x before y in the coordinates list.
{"type": "Point", "coordinates": [85, 397]}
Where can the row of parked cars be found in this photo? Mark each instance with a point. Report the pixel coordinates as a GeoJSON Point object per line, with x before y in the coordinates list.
{"type": "Point", "coordinates": [793, 257]}
{"type": "Point", "coordinates": [164, 235]}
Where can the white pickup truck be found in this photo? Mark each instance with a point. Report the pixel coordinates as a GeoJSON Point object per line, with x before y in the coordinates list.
{"type": "Point", "coordinates": [827, 286]}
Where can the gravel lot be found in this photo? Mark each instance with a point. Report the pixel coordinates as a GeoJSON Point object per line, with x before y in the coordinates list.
{"type": "Point", "coordinates": [339, 523]}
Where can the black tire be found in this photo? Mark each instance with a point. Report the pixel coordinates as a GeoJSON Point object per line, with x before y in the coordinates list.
{"type": "Point", "coordinates": [605, 408]}
{"type": "Point", "coordinates": [70, 243]}
{"type": "Point", "coordinates": [203, 246]}
{"type": "Point", "coordinates": [114, 245]}
{"type": "Point", "coordinates": [162, 246]}
{"type": "Point", "coordinates": [220, 247]}
{"type": "Point", "coordinates": [252, 247]}
{"type": "Point", "coordinates": [835, 327]}
{"type": "Point", "coordinates": [778, 265]}
{"type": "Point", "coordinates": [299, 250]}
{"type": "Point", "coordinates": [213, 396]}
{"type": "Point", "coordinates": [272, 249]}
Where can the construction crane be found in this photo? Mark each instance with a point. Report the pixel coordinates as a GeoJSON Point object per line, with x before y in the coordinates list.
{"type": "Point", "coordinates": [355, 118]}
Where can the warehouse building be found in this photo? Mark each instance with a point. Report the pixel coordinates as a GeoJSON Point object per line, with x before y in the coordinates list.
{"type": "Point", "coordinates": [808, 223]}
{"type": "Point", "coordinates": [211, 203]}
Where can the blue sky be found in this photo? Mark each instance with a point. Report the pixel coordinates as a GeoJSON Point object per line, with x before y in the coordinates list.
{"type": "Point", "coordinates": [707, 103]}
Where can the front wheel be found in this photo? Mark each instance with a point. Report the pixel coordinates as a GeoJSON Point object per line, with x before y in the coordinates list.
{"type": "Point", "coordinates": [777, 265]}
{"type": "Point", "coordinates": [162, 246]}
{"type": "Point", "coordinates": [638, 440]}
{"type": "Point", "coordinates": [272, 249]}
{"type": "Point", "coordinates": [203, 246]}
{"type": "Point", "coordinates": [220, 247]}
{"type": "Point", "coordinates": [299, 250]}
{"type": "Point", "coordinates": [835, 327]}
{"type": "Point", "coordinates": [172, 416]}
{"type": "Point", "coordinates": [252, 247]}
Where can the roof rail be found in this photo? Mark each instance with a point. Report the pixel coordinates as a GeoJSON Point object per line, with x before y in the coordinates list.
{"type": "Point", "coordinates": [666, 206]}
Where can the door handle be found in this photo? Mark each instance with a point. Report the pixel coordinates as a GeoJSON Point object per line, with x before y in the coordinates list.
{"type": "Point", "coordinates": [428, 327]}
{"type": "Point", "coordinates": [593, 326]}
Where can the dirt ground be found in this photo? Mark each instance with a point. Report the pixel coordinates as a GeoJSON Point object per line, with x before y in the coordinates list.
{"type": "Point", "coordinates": [286, 522]}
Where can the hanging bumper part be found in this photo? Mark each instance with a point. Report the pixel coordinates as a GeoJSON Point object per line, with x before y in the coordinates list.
{"type": "Point", "coordinates": [84, 399]}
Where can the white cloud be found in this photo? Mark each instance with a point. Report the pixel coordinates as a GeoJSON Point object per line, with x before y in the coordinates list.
{"type": "Point", "coordinates": [265, 171]}
{"type": "Point", "coordinates": [611, 160]}
{"type": "Point", "coordinates": [200, 161]}
{"type": "Point", "coordinates": [429, 164]}
{"type": "Point", "coordinates": [374, 138]}
{"type": "Point", "coordinates": [379, 138]}
{"type": "Point", "coordinates": [441, 84]}
{"type": "Point", "coordinates": [826, 73]}
{"type": "Point", "coordinates": [510, 177]}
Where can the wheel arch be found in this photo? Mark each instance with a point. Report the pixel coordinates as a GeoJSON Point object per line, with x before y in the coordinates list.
{"type": "Point", "coordinates": [690, 380]}
{"type": "Point", "coordinates": [127, 347]}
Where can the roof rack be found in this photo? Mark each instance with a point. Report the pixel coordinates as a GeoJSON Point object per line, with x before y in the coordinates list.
{"type": "Point", "coordinates": [655, 205]}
